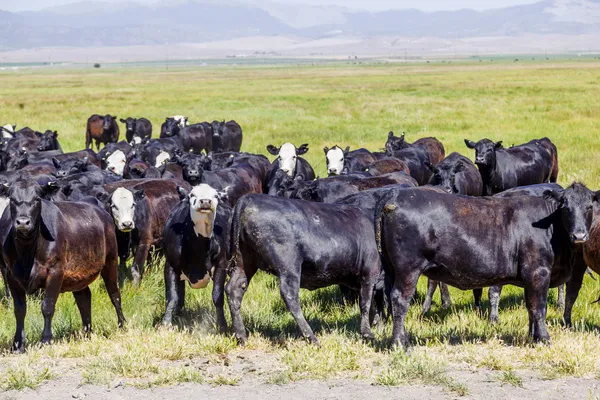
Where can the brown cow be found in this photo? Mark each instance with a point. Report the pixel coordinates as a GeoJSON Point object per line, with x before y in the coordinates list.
{"type": "Point", "coordinates": [103, 129]}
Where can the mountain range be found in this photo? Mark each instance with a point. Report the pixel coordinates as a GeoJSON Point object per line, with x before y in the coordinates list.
{"type": "Point", "coordinates": [170, 22]}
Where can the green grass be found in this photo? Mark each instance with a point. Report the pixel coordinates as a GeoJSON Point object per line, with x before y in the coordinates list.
{"type": "Point", "coordinates": [322, 106]}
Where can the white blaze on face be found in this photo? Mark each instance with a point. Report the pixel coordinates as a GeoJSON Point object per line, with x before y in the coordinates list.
{"type": "Point", "coordinates": [182, 121]}
{"type": "Point", "coordinates": [7, 131]}
{"type": "Point", "coordinates": [3, 204]}
{"type": "Point", "coordinates": [335, 161]}
{"type": "Point", "coordinates": [116, 162]}
{"type": "Point", "coordinates": [162, 158]}
{"type": "Point", "coordinates": [287, 159]}
{"type": "Point", "coordinates": [123, 209]}
{"type": "Point", "coordinates": [203, 209]}
{"type": "Point", "coordinates": [201, 284]}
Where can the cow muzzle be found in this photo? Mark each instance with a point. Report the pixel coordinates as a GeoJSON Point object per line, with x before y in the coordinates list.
{"type": "Point", "coordinates": [204, 206]}
{"type": "Point", "coordinates": [580, 237]}
{"type": "Point", "coordinates": [126, 226]}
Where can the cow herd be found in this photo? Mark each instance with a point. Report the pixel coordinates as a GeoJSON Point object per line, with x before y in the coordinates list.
{"type": "Point", "coordinates": [377, 223]}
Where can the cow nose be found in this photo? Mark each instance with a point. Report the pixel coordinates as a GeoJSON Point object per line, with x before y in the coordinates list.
{"type": "Point", "coordinates": [61, 173]}
{"type": "Point", "coordinates": [23, 222]}
{"type": "Point", "coordinates": [332, 171]}
{"type": "Point", "coordinates": [579, 237]}
{"type": "Point", "coordinates": [193, 172]}
{"type": "Point", "coordinates": [128, 224]}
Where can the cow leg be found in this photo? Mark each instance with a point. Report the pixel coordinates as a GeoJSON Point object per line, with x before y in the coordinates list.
{"type": "Point", "coordinates": [174, 294]}
{"type": "Point", "coordinates": [137, 269]}
{"type": "Point", "coordinates": [289, 287]}
{"type": "Point", "coordinates": [53, 285]}
{"type": "Point", "coordinates": [560, 304]}
{"type": "Point", "coordinates": [445, 293]}
{"type": "Point", "coordinates": [573, 286]}
{"type": "Point", "coordinates": [366, 296]}
{"type": "Point", "coordinates": [83, 298]}
{"type": "Point", "coordinates": [235, 289]}
{"type": "Point", "coordinates": [4, 278]}
{"type": "Point", "coordinates": [218, 296]}
{"type": "Point", "coordinates": [110, 276]}
{"type": "Point", "coordinates": [477, 294]}
{"type": "Point", "coordinates": [88, 140]}
{"type": "Point", "coordinates": [494, 297]}
{"type": "Point", "coordinates": [431, 286]}
{"type": "Point", "coordinates": [536, 299]}
{"type": "Point", "coordinates": [20, 310]}
{"type": "Point", "coordinates": [401, 294]}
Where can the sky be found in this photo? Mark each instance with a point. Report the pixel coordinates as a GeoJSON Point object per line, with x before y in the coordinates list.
{"type": "Point", "coordinates": [372, 5]}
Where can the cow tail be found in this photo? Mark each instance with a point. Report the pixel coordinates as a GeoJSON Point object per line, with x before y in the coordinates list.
{"type": "Point", "coordinates": [234, 233]}
{"type": "Point", "coordinates": [381, 209]}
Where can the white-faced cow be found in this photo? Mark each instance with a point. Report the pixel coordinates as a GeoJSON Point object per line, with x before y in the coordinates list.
{"type": "Point", "coordinates": [289, 161]}
{"type": "Point", "coordinates": [343, 161]}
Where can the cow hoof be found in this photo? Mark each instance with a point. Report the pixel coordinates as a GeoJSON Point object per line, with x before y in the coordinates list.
{"type": "Point", "coordinates": [46, 341]}
{"type": "Point", "coordinates": [368, 337]}
{"type": "Point", "coordinates": [314, 341]}
{"type": "Point", "coordinates": [17, 348]}
{"type": "Point", "coordinates": [493, 319]}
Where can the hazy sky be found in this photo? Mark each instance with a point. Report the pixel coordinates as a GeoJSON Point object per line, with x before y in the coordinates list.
{"type": "Point", "coordinates": [427, 5]}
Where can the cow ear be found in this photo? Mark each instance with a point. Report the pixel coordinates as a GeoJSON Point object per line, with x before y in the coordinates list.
{"type": "Point", "coordinates": [498, 145]}
{"type": "Point", "coordinates": [326, 150]}
{"type": "Point", "coordinates": [183, 194]}
{"type": "Point", "coordinates": [103, 197]}
{"type": "Point", "coordinates": [273, 150]}
{"type": "Point", "coordinates": [5, 225]}
{"type": "Point", "coordinates": [139, 195]}
{"type": "Point", "coordinates": [4, 188]}
{"type": "Point", "coordinates": [429, 166]}
{"type": "Point", "coordinates": [50, 219]}
{"type": "Point", "coordinates": [303, 149]}
{"type": "Point", "coordinates": [596, 196]}
{"type": "Point", "coordinates": [122, 120]}
{"type": "Point", "coordinates": [470, 144]}
{"type": "Point", "coordinates": [346, 151]}
{"type": "Point", "coordinates": [299, 178]}
{"type": "Point", "coordinates": [55, 162]}
{"type": "Point", "coordinates": [223, 195]}
{"type": "Point", "coordinates": [554, 195]}
{"type": "Point", "coordinates": [390, 134]}
{"type": "Point", "coordinates": [166, 119]}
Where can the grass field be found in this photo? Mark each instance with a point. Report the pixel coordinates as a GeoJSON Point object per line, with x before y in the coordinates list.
{"type": "Point", "coordinates": [321, 106]}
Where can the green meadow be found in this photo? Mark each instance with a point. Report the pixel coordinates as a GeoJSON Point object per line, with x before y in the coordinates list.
{"type": "Point", "coordinates": [322, 106]}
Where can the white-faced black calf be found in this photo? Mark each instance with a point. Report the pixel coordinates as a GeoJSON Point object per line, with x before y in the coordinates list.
{"type": "Point", "coordinates": [474, 243]}
{"type": "Point", "coordinates": [196, 245]}
{"type": "Point", "coordinates": [58, 248]}
{"type": "Point", "coordinates": [302, 244]}
{"type": "Point", "coordinates": [343, 161]}
{"type": "Point", "coordinates": [289, 161]}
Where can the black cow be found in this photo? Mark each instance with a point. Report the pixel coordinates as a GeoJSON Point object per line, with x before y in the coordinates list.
{"type": "Point", "coordinates": [172, 125]}
{"type": "Point", "coordinates": [159, 151]}
{"type": "Point", "coordinates": [49, 141]}
{"type": "Point", "coordinates": [196, 238]}
{"type": "Point", "coordinates": [385, 166]}
{"type": "Point", "coordinates": [527, 164]}
{"type": "Point", "coordinates": [289, 161]}
{"type": "Point", "coordinates": [72, 166]}
{"type": "Point", "coordinates": [317, 253]}
{"type": "Point", "coordinates": [102, 129]}
{"type": "Point", "coordinates": [345, 161]}
{"type": "Point", "coordinates": [416, 159]}
{"type": "Point", "coordinates": [432, 146]}
{"type": "Point", "coordinates": [456, 174]}
{"type": "Point", "coordinates": [57, 248]}
{"type": "Point", "coordinates": [137, 129]}
{"type": "Point", "coordinates": [472, 243]}
{"type": "Point", "coordinates": [226, 136]}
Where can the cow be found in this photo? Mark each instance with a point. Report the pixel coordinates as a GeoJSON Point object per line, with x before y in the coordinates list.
{"type": "Point", "coordinates": [415, 158]}
{"type": "Point", "coordinates": [110, 148]}
{"type": "Point", "coordinates": [432, 146]}
{"type": "Point", "coordinates": [56, 247]}
{"type": "Point", "coordinates": [527, 164]}
{"type": "Point", "coordinates": [49, 141]}
{"type": "Point", "coordinates": [172, 125]}
{"type": "Point", "coordinates": [102, 129]}
{"type": "Point", "coordinates": [137, 129]}
{"type": "Point", "coordinates": [288, 161]}
{"type": "Point", "coordinates": [226, 136]}
{"type": "Point", "coordinates": [160, 151]}
{"type": "Point", "coordinates": [72, 166]}
{"type": "Point", "coordinates": [140, 213]}
{"type": "Point", "coordinates": [194, 138]}
{"type": "Point", "coordinates": [345, 161]}
{"type": "Point", "coordinates": [317, 253]}
{"type": "Point", "coordinates": [196, 237]}
{"type": "Point", "coordinates": [385, 166]}
{"type": "Point", "coordinates": [472, 243]}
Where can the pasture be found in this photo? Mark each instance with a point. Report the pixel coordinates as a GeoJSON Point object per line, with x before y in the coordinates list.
{"type": "Point", "coordinates": [455, 349]}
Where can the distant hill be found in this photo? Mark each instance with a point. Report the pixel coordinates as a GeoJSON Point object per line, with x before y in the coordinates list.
{"type": "Point", "coordinates": [171, 22]}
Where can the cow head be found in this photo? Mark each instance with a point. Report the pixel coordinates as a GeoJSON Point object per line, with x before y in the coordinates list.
{"type": "Point", "coordinates": [192, 167]}
{"type": "Point", "coordinates": [287, 156]}
{"type": "Point", "coordinates": [48, 141]}
{"type": "Point", "coordinates": [17, 159]}
{"type": "Point", "coordinates": [115, 162]}
{"type": "Point", "coordinates": [130, 124]}
{"type": "Point", "coordinates": [181, 120]}
{"type": "Point", "coordinates": [70, 166]}
{"type": "Point", "coordinates": [280, 183]}
{"type": "Point", "coordinates": [444, 176]}
{"type": "Point", "coordinates": [335, 159]}
{"type": "Point", "coordinates": [121, 205]}
{"type": "Point", "coordinates": [485, 152]}
{"type": "Point", "coordinates": [109, 120]}
{"type": "Point", "coordinates": [171, 127]}
{"type": "Point", "coordinates": [27, 212]}
{"type": "Point", "coordinates": [575, 209]}
{"type": "Point", "coordinates": [217, 128]}
{"type": "Point", "coordinates": [394, 143]}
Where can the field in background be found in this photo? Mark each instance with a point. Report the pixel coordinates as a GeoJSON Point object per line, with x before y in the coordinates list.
{"type": "Point", "coordinates": [321, 106]}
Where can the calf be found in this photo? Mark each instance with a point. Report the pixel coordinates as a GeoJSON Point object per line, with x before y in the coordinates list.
{"type": "Point", "coordinates": [527, 164]}
{"type": "Point", "coordinates": [57, 248]}
{"type": "Point", "coordinates": [196, 237]}
{"type": "Point", "coordinates": [288, 161]}
{"type": "Point", "coordinates": [345, 161]}
{"type": "Point", "coordinates": [102, 130]}
{"type": "Point", "coordinates": [473, 243]}
{"type": "Point", "coordinates": [433, 147]}
{"type": "Point", "coordinates": [139, 213]}
{"type": "Point", "coordinates": [317, 253]}
{"type": "Point", "coordinates": [49, 141]}
{"type": "Point", "coordinates": [137, 129]}
{"type": "Point", "coordinates": [226, 136]}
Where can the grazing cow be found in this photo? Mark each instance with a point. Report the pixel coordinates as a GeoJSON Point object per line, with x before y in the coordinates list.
{"type": "Point", "coordinates": [56, 247]}
{"type": "Point", "coordinates": [49, 141]}
{"type": "Point", "coordinates": [523, 165]}
{"type": "Point", "coordinates": [137, 129]}
{"type": "Point", "coordinates": [226, 136]}
{"type": "Point", "coordinates": [329, 190]}
{"type": "Point", "coordinates": [472, 243]}
{"type": "Point", "coordinates": [385, 166]}
{"type": "Point", "coordinates": [140, 212]}
{"type": "Point", "coordinates": [345, 161]}
{"type": "Point", "coordinates": [102, 129]}
{"type": "Point", "coordinates": [196, 237]}
{"type": "Point", "coordinates": [433, 147]}
{"type": "Point", "coordinates": [317, 253]}
{"type": "Point", "coordinates": [288, 161]}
